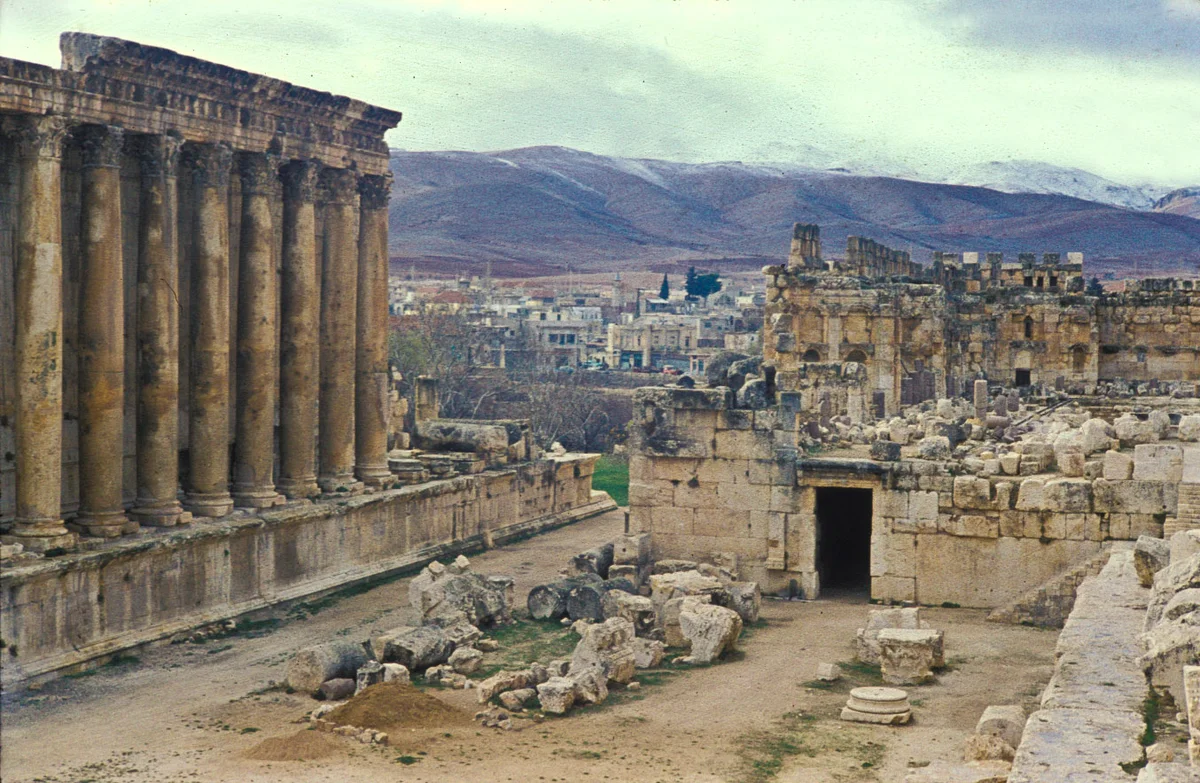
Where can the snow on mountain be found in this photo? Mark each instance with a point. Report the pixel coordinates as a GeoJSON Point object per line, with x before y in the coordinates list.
{"type": "Point", "coordinates": [1031, 176]}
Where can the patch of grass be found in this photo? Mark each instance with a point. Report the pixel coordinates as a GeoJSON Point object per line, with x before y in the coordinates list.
{"type": "Point", "coordinates": [612, 476]}
{"type": "Point", "coordinates": [1151, 709]}
{"type": "Point", "coordinates": [406, 760]}
{"type": "Point", "coordinates": [861, 673]}
{"type": "Point", "coordinates": [249, 730]}
{"type": "Point", "coordinates": [524, 641]}
{"type": "Point", "coordinates": [797, 735]}
{"type": "Point", "coordinates": [220, 649]}
{"type": "Point", "coordinates": [951, 605]}
{"type": "Point", "coordinates": [306, 609]}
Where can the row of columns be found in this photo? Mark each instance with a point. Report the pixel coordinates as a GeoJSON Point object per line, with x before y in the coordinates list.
{"type": "Point", "coordinates": [331, 353]}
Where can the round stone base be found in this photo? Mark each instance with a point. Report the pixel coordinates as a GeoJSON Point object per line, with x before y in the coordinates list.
{"type": "Point", "coordinates": [894, 719]}
{"type": "Point", "coordinates": [208, 504]}
{"type": "Point", "coordinates": [39, 543]}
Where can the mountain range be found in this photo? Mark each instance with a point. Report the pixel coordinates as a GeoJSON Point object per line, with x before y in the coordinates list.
{"type": "Point", "coordinates": [541, 210]}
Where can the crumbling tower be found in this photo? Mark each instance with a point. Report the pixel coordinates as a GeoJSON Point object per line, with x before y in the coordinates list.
{"type": "Point", "coordinates": [806, 247]}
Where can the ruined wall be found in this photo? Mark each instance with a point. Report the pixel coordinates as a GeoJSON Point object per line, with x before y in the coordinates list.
{"type": "Point", "coordinates": [62, 611]}
{"type": "Point", "coordinates": [711, 483]}
{"type": "Point", "coordinates": [895, 331]}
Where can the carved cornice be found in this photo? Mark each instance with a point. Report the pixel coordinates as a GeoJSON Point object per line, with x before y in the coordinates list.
{"type": "Point", "coordinates": [259, 171]}
{"type": "Point", "coordinates": [209, 164]}
{"type": "Point", "coordinates": [102, 145]}
{"type": "Point", "coordinates": [157, 153]}
{"type": "Point", "coordinates": [338, 186]}
{"type": "Point", "coordinates": [300, 180]}
{"type": "Point", "coordinates": [375, 190]}
{"type": "Point", "coordinates": [37, 136]}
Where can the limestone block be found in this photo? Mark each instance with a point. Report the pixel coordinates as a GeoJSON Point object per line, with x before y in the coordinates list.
{"type": "Point", "coordinates": [987, 747]}
{"type": "Point", "coordinates": [1070, 495]}
{"type": "Point", "coordinates": [829, 672]}
{"type": "Point", "coordinates": [1095, 435]}
{"type": "Point", "coordinates": [1006, 721]}
{"type": "Point", "coordinates": [745, 598]}
{"type": "Point", "coordinates": [1166, 772]}
{"type": "Point", "coordinates": [1169, 581]}
{"type": "Point", "coordinates": [1031, 495]}
{"type": "Point", "coordinates": [893, 589]}
{"type": "Point", "coordinates": [1160, 420]}
{"type": "Point", "coordinates": [1191, 688]}
{"type": "Point", "coordinates": [1130, 497]}
{"type": "Point", "coordinates": [636, 609]}
{"type": "Point", "coordinates": [1006, 495]}
{"type": "Point", "coordinates": [885, 451]}
{"type": "Point", "coordinates": [866, 643]}
{"type": "Point", "coordinates": [1184, 602]}
{"type": "Point", "coordinates": [893, 504]}
{"type": "Point", "coordinates": [923, 509]}
{"type": "Point", "coordinates": [1158, 462]}
{"type": "Point", "coordinates": [668, 617]}
{"type": "Point", "coordinates": [500, 682]}
{"type": "Point", "coordinates": [337, 689]}
{"type": "Point", "coordinates": [465, 660]}
{"type": "Point", "coordinates": [608, 647]}
{"type": "Point", "coordinates": [1169, 647]}
{"type": "Point", "coordinates": [395, 672]}
{"type": "Point", "coordinates": [1189, 428]}
{"type": "Point", "coordinates": [1010, 463]}
{"type": "Point", "coordinates": [415, 648]}
{"type": "Point", "coordinates": [908, 657]}
{"type": "Point", "coordinates": [972, 526]}
{"type": "Point", "coordinates": [1150, 555]}
{"type": "Point", "coordinates": [972, 493]}
{"type": "Point", "coordinates": [936, 447]}
{"type": "Point", "coordinates": [1117, 466]}
{"type": "Point", "coordinates": [556, 695]}
{"type": "Point", "coordinates": [312, 666]}
{"type": "Point", "coordinates": [1131, 431]}
{"type": "Point", "coordinates": [711, 630]}
{"type": "Point", "coordinates": [1184, 545]}
{"type": "Point", "coordinates": [647, 653]}
{"type": "Point", "coordinates": [1071, 464]}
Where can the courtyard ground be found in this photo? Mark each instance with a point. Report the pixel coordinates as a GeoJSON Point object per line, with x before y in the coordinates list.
{"type": "Point", "coordinates": [195, 712]}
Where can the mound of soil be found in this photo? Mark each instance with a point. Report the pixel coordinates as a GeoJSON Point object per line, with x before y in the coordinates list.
{"type": "Point", "coordinates": [301, 746]}
{"type": "Point", "coordinates": [390, 706]}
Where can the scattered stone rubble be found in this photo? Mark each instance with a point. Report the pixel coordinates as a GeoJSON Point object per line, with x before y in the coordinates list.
{"type": "Point", "coordinates": [453, 601]}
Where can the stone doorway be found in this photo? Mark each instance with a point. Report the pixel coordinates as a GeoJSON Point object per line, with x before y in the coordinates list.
{"type": "Point", "coordinates": [844, 538]}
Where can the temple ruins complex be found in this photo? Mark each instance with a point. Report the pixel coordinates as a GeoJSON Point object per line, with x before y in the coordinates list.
{"type": "Point", "coordinates": [194, 329]}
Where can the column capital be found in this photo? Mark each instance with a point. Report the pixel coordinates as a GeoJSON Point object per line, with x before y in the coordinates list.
{"type": "Point", "coordinates": [375, 190]}
{"type": "Point", "coordinates": [37, 135]}
{"type": "Point", "coordinates": [300, 180]}
{"type": "Point", "coordinates": [338, 186]}
{"type": "Point", "coordinates": [258, 170]}
{"type": "Point", "coordinates": [102, 145]}
{"type": "Point", "coordinates": [158, 153]}
{"type": "Point", "coordinates": [209, 163]}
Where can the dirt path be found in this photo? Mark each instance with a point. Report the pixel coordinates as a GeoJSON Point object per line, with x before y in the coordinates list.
{"type": "Point", "coordinates": [189, 712]}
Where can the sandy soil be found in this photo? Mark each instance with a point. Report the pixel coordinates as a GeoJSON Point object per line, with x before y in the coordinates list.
{"type": "Point", "coordinates": [191, 712]}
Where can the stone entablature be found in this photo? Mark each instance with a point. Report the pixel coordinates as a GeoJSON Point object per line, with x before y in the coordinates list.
{"type": "Point", "coordinates": [144, 339]}
{"type": "Point", "coordinates": [145, 89]}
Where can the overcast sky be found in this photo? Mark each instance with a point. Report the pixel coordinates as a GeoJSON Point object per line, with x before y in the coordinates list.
{"type": "Point", "coordinates": [924, 87]}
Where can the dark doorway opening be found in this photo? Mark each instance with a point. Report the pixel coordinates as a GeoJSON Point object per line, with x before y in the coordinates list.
{"type": "Point", "coordinates": [1023, 378]}
{"type": "Point", "coordinates": [844, 538]}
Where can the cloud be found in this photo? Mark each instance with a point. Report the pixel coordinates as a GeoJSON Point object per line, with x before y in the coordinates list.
{"type": "Point", "coordinates": [1166, 29]}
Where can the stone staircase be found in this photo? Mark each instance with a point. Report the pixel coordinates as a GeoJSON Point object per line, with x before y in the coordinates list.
{"type": "Point", "coordinates": [1048, 604]}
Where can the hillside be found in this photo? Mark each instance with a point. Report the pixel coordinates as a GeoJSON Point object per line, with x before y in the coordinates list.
{"type": "Point", "coordinates": [538, 209]}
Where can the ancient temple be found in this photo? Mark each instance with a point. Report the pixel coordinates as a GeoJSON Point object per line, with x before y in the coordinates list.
{"type": "Point", "coordinates": [190, 252]}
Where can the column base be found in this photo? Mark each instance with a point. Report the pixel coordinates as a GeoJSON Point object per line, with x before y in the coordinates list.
{"type": "Point", "coordinates": [299, 487]}
{"type": "Point", "coordinates": [374, 476]}
{"type": "Point", "coordinates": [342, 484]}
{"type": "Point", "coordinates": [44, 537]}
{"type": "Point", "coordinates": [111, 524]}
{"type": "Point", "coordinates": [208, 504]}
{"type": "Point", "coordinates": [257, 497]}
{"type": "Point", "coordinates": [159, 513]}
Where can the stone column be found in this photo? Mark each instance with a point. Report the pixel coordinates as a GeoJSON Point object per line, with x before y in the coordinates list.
{"type": "Point", "coordinates": [208, 404]}
{"type": "Point", "coordinates": [102, 337]}
{"type": "Point", "coordinates": [299, 328]}
{"type": "Point", "coordinates": [157, 501]}
{"type": "Point", "coordinates": [254, 440]}
{"type": "Point", "coordinates": [371, 403]}
{"type": "Point", "coordinates": [39, 356]}
{"type": "Point", "coordinates": [339, 310]}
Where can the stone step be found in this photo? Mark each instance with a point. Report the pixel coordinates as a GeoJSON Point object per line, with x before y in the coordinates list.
{"type": "Point", "coordinates": [1048, 604]}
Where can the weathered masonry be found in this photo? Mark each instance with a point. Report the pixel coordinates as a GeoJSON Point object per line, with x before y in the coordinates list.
{"type": "Point", "coordinates": [189, 252]}
{"type": "Point", "coordinates": [195, 403]}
